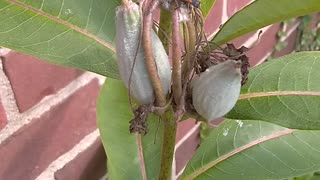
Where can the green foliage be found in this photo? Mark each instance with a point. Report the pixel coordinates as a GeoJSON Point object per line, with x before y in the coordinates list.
{"type": "Point", "coordinates": [204, 130]}
{"type": "Point", "coordinates": [74, 33]}
{"type": "Point", "coordinates": [254, 143]}
{"type": "Point", "coordinates": [310, 176]}
{"type": "Point", "coordinates": [262, 13]}
{"type": "Point", "coordinates": [308, 38]}
{"type": "Point", "coordinates": [280, 45]}
{"type": "Point", "coordinates": [250, 150]}
{"type": "Point", "coordinates": [284, 91]}
{"type": "Point", "coordinates": [206, 6]}
{"type": "Point", "coordinates": [123, 148]}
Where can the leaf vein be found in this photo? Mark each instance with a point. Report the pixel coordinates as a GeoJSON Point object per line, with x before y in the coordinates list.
{"type": "Point", "coordinates": [89, 15]}
{"type": "Point", "coordinates": [60, 21]}
{"type": "Point", "coordinates": [19, 24]}
{"type": "Point", "coordinates": [60, 10]}
{"type": "Point", "coordinates": [46, 41]}
{"type": "Point", "coordinates": [15, 15]}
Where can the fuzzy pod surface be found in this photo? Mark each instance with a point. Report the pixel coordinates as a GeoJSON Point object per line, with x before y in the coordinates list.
{"type": "Point", "coordinates": [128, 35]}
{"type": "Point", "coordinates": [217, 90]}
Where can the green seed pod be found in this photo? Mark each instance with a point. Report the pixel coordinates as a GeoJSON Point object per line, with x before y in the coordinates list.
{"type": "Point", "coordinates": [217, 89]}
{"type": "Point", "coordinates": [128, 33]}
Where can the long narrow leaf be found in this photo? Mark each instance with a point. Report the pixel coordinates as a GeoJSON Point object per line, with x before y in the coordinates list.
{"type": "Point", "coordinates": [255, 150]}
{"type": "Point", "coordinates": [75, 33]}
{"type": "Point", "coordinates": [284, 91]}
{"type": "Point", "coordinates": [129, 155]}
{"type": "Point", "coordinates": [206, 6]}
{"type": "Point", "coordinates": [261, 13]}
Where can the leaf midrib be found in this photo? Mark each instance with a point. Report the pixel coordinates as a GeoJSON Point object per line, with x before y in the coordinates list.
{"type": "Point", "coordinates": [141, 158]}
{"type": "Point", "coordinates": [55, 19]}
{"type": "Point", "coordinates": [278, 93]}
{"type": "Point", "coordinates": [238, 150]}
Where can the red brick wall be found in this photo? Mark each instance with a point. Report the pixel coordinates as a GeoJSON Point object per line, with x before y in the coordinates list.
{"type": "Point", "coordinates": [47, 112]}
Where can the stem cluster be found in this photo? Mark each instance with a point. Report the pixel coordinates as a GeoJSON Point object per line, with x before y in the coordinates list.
{"type": "Point", "coordinates": [182, 68]}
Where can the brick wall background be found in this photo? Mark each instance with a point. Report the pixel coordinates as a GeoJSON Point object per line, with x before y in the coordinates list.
{"type": "Point", "coordinates": [47, 112]}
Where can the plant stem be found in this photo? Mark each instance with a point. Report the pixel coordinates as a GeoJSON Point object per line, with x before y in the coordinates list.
{"type": "Point", "coordinates": [176, 57]}
{"type": "Point", "coordinates": [170, 119]}
{"type": "Point", "coordinates": [169, 136]}
{"type": "Point", "coordinates": [148, 52]}
{"type": "Point", "coordinates": [188, 63]}
{"type": "Point", "coordinates": [164, 32]}
{"type": "Point", "coordinates": [186, 47]}
{"type": "Point", "coordinates": [169, 139]}
{"type": "Point", "coordinates": [189, 60]}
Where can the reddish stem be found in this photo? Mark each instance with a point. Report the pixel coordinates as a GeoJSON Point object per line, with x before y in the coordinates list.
{"type": "Point", "coordinates": [176, 57]}
{"type": "Point", "coordinates": [148, 52]}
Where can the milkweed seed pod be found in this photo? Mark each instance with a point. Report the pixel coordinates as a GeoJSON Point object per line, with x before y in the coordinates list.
{"type": "Point", "coordinates": [128, 34]}
{"type": "Point", "coordinates": [217, 89]}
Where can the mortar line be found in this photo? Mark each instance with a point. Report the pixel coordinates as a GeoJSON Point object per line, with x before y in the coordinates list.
{"type": "Point", "coordinates": [4, 51]}
{"type": "Point", "coordinates": [224, 17]}
{"type": "Point", "coordinates": [174, 166]}
{"type": "Point", "coordinates": [180, 172]}
{"type": "Point", "coordinates": [50, 101]}
{"type": "Point", "coordinates": [254, 38]}
{"type": "Point", "coordinates": [7, 97]}
{"type": "Point", "coordinates": [104, 177]}
{"type": "Point", "coordinates": [263, 59]}
{"type": "Point", "coordinates": [45, 105]}
{"type": "Point", "coordinates": [64, 159]}
{"type": "Point", "coordinates": [224, 14]}
{"type": "Point", "coordinates": [179, 143]}
{"type": "Point", "coordinates": [187, 135]}
{"type": "Point", "coordinates": [289, 32]}
{"type": "Point", "coordinates": [101, 79]}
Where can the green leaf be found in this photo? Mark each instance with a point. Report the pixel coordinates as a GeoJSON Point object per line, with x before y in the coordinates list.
{"type": "Point", "coordinates": [206, 7]}
{"type": "Point", "coordinates": [123, 149]}
{"type": "Point", "coordinates": [284, 91]}
{"type": "Point", "coordinates": [75, 33]}
{"type": "Point", "coordinates": [310, 176]}
{"type": "Point", "coordinates": [252, 150]}
{"type": "Point", "coordinates": [205, 129]}
{"type": "Point", "coordinates": [280, 45]}
{"type": "Point", "coordinates": [261, 13]}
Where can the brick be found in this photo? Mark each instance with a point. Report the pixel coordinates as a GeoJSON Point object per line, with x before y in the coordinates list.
{"type": "Point", "coordinates": [30, 150]}
{"type": "Point", "coordinates": [185, 152]}
{"type": "Point", "coordinates": [238, 42]}
{"type": "Point", "coordinates": [314, 21]}
{"type": "Point", "coordinates": [266, 44]}
{"type": "Point", "coordinates": [3, 116]}
{"type": "Point", "coordinates": [32, 78]}
{"type": "Point", "coordinates": [184, 127]}
{"type": "Point", "coordinates": [217, 121]}
{"type": "Point", "coordinates": [213, 20]}
{"type": "Point", "coordinates": [235, 5]}
{"type": "Point", "coordinates": [90, 164]}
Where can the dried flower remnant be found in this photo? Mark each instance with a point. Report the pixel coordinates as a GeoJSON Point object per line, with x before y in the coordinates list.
{"type": "Point", "coordinates": [219, 55]}
{"type": "Point", "coordinates": [139, 123]}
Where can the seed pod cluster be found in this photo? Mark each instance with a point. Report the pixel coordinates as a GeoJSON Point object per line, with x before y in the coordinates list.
{"type": "Point", "coordinates": [130, 52]}
{"type": "Point", "coordinates": [217, 89]}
